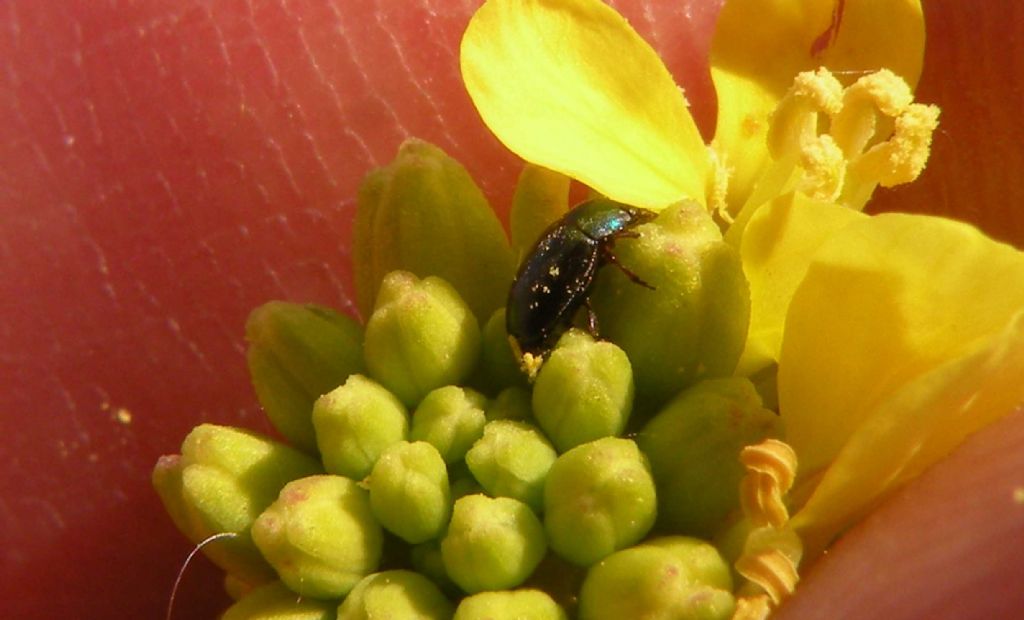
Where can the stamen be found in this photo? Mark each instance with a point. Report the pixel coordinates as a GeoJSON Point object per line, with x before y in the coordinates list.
{"type": "Point", "coordinates": [719, 185]}
{"type": "Point", "coordinates": [854, 125]}
{"type": "Point", "coordinates": [845, 163]}
{"type": "Point", "coordinates": [824, 168]}
{"type": "Point", "coordinates": [771, 469]}
{"type": "Point", "coordinates": [796, 118]}
{"type": "Point", "coordinates": [769, 561]}
{"type": "Point", "coordinates": [752, 607]}
{"type": "Point", "coordinates": [772, 551]}
{"type": "Point", "coordinates": [898, 160]}
{"type": "Point", "coordinates": [906, 153]}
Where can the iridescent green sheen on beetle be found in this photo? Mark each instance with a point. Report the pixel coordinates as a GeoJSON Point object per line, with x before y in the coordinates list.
{"type": "Point", "coordinates": [555, 278]}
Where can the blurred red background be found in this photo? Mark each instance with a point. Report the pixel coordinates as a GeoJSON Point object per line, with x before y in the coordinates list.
{"type": "Point", "coordinates": [167, 166]}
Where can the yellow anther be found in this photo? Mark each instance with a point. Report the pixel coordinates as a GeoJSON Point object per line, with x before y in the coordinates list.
{"type": "Point", "coordinates": [898, 160]}
{"type": "Point", "coordinates": [902, 158]}
{"type": "Point", "coordinates": [821, 88]}
{"type": "Point", "coordinates": [856, 124]}
{"type": "Point", "coordinates": [824, 168]}
{"type": "Point", "coordinates": [845, 163]}
{"type": "Point", "coordinates": [885, 90]}
{"type": "Point", "coordinates": [796, 118]}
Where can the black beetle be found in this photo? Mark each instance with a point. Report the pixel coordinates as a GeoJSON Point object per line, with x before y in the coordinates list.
{"type": "Point", "coordinates": [555, 278]}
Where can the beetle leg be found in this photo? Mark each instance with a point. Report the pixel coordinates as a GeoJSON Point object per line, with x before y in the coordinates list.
{"type": "Point", "coordinates": [591, 319]}
{"type": "Point", "coordinates": [610, 256]}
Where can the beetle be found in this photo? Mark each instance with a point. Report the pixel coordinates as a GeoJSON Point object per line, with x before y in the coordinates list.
{"type": "Point", "coordinates": [555, 278]}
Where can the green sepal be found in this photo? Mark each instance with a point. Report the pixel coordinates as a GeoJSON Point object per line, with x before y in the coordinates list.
{"type": "Point", "coordinates": [693, 324]}
{"type": "Point", "coordinates": [320, 536]}
{"type": "Point", "coordinates": [492, 543]}
{"type": "Point", "coordinates": [297, 352]}
{"type": "Point", "coordinates": [499, 367]}
{"type": "Point", "coordinates": [693, 446]}
{"type": "Point", "coordinates": [426, 560]}
{"type": "Point", "coordinates": [512, 459]}
{"type": "Point", "coordinates": [671, 577]}
{"type": "Point", "coordinates": [409, 492]}
{"type": "Point", "coordinates": [583, 392]}
{"type": "Point", "coordinates": [599, 497]}
{"type": "Point", "coordinates": [355, 423]}
{"type": "Point", "coordinates": [397, 594]}
{"type": "Point", "coordinates": [223, 479]}
{"type": "Point", "coordinates": [451, 419]}
{"type": "Point", "coordinates": [511, 404]}
{"type": "Point", "coordinates": [421, 336]}
{"type": "Point", "coordinates": [424, 214]}
{"type": "Point", "coordinates": [509, 605]}
{"type": "Point", "coordinates": [275, 601]}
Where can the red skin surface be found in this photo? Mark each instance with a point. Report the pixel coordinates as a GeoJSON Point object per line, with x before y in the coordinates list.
{"type": "Point", "coordinates": [167, 166]}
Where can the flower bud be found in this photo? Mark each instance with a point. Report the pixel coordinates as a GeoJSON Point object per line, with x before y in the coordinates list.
{"type": "Point", "coordinates": [355, 423]}
{"type": "Point", "coordinates": [296, 353]}
{"type": "Point", "coordinates": [221, 482]}
{"type": "Point", "coordinates": [511, 404]}
{"type": "Point", "coordinates": [694, 444]}
{"type": "Point", "coordinates": [559, 579]}
{"type": "Point", "coordinates": [672, 577]}
{"type": "Point", "coordinates": [424, 214]}
{"type": "Point", "coordinates": [498, 367]}
{"type": "Point", "coordinates": [320, 536]}
{"type": "Point", "coordinates": [274, 601]}
{"type": "Point", "coordinates": [450, 419]}
{"type": "Point", "coordinates": [409, 491]}
{"type": "Point", "coordinates": [463, 482]}
{"type": "Point", "coordinates": [512, 459]}
{"type": "Point", "coordinates": [693, 325]}
{"type": "Point", "coordinates": [584, 391]}
{"type": "Point", "coordinates": [426, 560]}
{"type": "Point", "coordinates": [420, 336]}
{"type": "Point", "coordinates": [492, 543]}
{"type": "Point", "coordinates": [509, 605]}
{"type": "Point", "coordinates": [541, 199]}
{"type": "Point", "coordinates": [235, 587]}
{"type": "Point", "coordinates": [395, 594]}
{"type": "Point", "coordinates": [599, 498]}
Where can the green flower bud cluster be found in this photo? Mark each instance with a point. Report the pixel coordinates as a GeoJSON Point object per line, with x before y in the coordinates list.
{"type": "Point", "coordinates": [432, 479]}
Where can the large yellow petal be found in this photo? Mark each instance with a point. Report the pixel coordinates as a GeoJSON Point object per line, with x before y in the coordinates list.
{"type": "Point", "coordinates": [776, 249]}
{"type": "Point", "coordinates": [760, 45]}
{"type": "Point", "coordinates": [914, 428]}
{"type": "Point", "coordinates": [570, 86]}
{"type": "Point", "coordinates": [885, 301]}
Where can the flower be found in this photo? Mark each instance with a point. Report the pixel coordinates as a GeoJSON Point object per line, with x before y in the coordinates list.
{"type": "Point", "coordinates": [896, 336]}
{"type": "Point", "coordinates": [225, 191]}
{"type": "Point", "coordinates": [571, 87]}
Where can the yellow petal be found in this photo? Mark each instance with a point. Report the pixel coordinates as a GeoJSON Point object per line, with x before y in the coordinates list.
{"type": "Point", "coordinates": [777, 247]}
{"type": "Point", "coordinates": [761, 45]}
{"type": "Point", "coordinates": [571, 87]}
{"type": "Point", "coordinates": [913, 429]}
{"type": "Point", "coordinates": [886, 301]}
